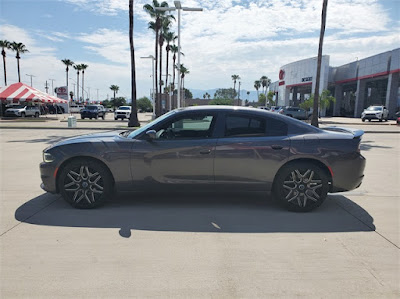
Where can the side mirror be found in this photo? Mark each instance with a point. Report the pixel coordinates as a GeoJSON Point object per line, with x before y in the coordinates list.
{"type": "Point", "coordinates": [151, 134]}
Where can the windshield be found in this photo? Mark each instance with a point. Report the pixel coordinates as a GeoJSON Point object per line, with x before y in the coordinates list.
{"type": "Point", "coordinates": [91, 107]}
{"type": "Point", "coordinates": [16, 107]}
{"type": "Point", "coordinates": [124, 108]}
{"type": "Point", "coordinates": [374, 108]}
{"type": "Point", "coordinates": [137, 132]}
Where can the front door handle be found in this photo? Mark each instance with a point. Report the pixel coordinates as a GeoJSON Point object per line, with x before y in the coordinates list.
{"type": "Point", "coordinates": [277, 147]}
{"type": "Point", "coordinates": [205, 151]}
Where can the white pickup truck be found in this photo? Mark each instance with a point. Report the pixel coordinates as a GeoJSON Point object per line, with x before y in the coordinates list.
{"type": "Point", "coordinates": [23, 111]}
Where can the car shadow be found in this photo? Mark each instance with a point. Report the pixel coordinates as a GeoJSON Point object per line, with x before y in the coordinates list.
{"type": "Point", "coordinates": [228, 213]}
{"type": "Point", "coordinates": [368, 145]}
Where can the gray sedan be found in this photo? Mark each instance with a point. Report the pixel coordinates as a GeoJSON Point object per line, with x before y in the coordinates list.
{"type": "Point", "coordinates": [213, 148]}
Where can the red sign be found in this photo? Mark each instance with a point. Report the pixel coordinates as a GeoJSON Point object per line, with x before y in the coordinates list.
{"type": "Point", "coordinates": [281, 83]}
{"type": "Point", "coordinates": [281, 75]}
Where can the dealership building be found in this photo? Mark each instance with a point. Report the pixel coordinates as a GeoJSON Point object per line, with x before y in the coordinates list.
{"type": "Point", "coordinates": [357, 85]}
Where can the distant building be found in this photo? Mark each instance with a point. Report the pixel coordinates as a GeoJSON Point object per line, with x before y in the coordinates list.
{"type": "Point", "coordinates": [357, 85]}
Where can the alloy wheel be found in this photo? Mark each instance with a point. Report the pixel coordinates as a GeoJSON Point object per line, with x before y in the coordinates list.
{"type": "Point", "coordinates": [302, 188]}
{"type": "Point", "coordinates": [83, 184]}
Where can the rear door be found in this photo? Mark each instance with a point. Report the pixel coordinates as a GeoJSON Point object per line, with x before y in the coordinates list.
{"type": "Point", "coordinates": [250, 152]}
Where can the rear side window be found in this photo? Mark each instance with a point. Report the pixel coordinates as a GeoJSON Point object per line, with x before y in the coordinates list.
{"type": "Point", "coordinates": [244, 126]}
{"type": "Point", "coordinates": [276, 127]}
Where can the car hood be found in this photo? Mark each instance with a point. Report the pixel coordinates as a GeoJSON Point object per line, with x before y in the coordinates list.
{"type": "Point", "coordinates": [97, 137]}
{"type": "Point", "coordinates": [15, 110]}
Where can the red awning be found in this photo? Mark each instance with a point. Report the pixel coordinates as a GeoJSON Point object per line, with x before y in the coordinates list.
{"type": "Point", "coordinates": [24, 93]}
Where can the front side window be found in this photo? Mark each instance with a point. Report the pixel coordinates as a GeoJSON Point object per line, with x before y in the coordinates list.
{"type": "Point", "coordinates": [193, 126]}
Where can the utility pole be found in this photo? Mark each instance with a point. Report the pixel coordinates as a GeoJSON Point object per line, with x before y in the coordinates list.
{"type": "Point", "coordinates": [52, 85]}
{"type": "Point", "coordinates": [239, 93]}
{"type": "Point", "coordinates": [31, 78]}
{"type": "Point", "coordinates": [47, 87]}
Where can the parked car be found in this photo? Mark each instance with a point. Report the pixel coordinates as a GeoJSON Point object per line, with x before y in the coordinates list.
{"type": "Point", "coordinates": [375, 112]}
{"type": "Point", "coordinates": [208, 148]}
{"type": "Point", "coordinates": [74, 108]}
{"type": "Point", "coordinates": [23, 111]}
{"type": "Point", "coordinates": [295, 112]}
{"type": "Point", "coordinates": [93, 111]}
{"type": "Point", "coordinates": [263, 107]}
{"type": "Point", "coordinates": [275, 108]}
{"type": "Point", "coordinates": [397, 118]}
{"type": "Point", "coordinates": [123, 112]}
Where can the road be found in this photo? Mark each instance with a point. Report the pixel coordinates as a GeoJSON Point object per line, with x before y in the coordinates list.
{"type": "Point", "coordinates": [235, 245]}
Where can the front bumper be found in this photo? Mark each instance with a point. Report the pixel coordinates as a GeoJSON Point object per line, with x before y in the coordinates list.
{"type": "Point", "coordinates": [372, 116]}
{"type": "Point", "coordinates": [121, 115]}
{"type": "Point", "coordinates": [48, 174]}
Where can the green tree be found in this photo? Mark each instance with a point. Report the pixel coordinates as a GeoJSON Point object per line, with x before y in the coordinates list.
{"type": "Point", "coordinates": [222, 102]}
{"type": "Point", "coordinates": [262, 99]}
{"type": "Point", "coordinates": [77, 67]}
{"type": "Point", "coordinates": [325, 100]}
{"type": "Point", "coordinates": [174, 50]}
{"type": "Point", "coordinates": [225, 93]}
{"type": "Point", "coordinates": [144, 104]}
{"type": "Point", "coordinates": [270, 97]}
{"type": "Point", "coordinates": [115, 89]}
{"type": "Point", "coordinates": [169, 37]}
{"type": "Point", "coordinates": [67, 63]}
{"type": "Point", "coordinates": [188, 94]}
{"type": "Point", "coordinates": [20, 49]}
{"type": "Point", "coordinates": [265, 82]}
{"type": "Point", "coordinates": [235, 78]}
{"type": "Point", "coordinates": [4, 44]}
{"type": "Point", "coordinates": [257, 85]}
{"type": "Point", "coordinates": [119, 101]}
{"type": "Point", "coordinates": [83, 68]}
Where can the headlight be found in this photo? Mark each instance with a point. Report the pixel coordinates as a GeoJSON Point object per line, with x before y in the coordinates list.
{"type": "Point", "coordinates": [47, 158]}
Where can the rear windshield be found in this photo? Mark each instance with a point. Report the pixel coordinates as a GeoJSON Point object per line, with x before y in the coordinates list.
{"type": "Point", "coordinates": [91, 107]}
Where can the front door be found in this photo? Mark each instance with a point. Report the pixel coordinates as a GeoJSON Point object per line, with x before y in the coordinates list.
{"type": "Point", "coordinates": [182, 153]}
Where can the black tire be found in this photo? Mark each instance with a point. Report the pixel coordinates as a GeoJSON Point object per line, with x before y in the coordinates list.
{"type": "Point", "coordinates": [115, 118]}
{"type": "Point", "coordinates": [90, 117]}
{"type": "Point", "coordinates": [85, 184]}
{"type": "Point", "coordinates": [369, 119]}
{"type": "Point", "coordinates": [363, 119]}
{"type": "Point", "coordinates": [381, 119]}
{"type": "Point", "coordinates": [305, 191]}
{"type": "Point", "coordinates": [82, 117]}
{"type": "Point", "coordinates": [103, 117]}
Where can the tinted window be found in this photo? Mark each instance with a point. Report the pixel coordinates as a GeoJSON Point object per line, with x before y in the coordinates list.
{"type": "Point", "coordinates": [188, 126]}
{"type": "Point", "coordinates": [243, 125]}
{"type": "Point", "coordinates": [276, 127]}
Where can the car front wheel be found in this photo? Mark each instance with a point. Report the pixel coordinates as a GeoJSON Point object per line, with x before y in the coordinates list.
{"type": "Point", "coordinates": [85, 184]}
{"type": "Point", "coordinates": [301, 187]}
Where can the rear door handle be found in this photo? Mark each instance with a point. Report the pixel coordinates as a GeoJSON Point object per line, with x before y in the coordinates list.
{"type": "Point", "coordinates": [277, 147]}
{"type": "Point", "coordinates": [205, 151]}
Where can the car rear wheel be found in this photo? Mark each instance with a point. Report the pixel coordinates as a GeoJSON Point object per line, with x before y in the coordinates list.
{"type": "Point", "coordinates": [301, 187]}
{"type": "Point", "coordinates": [103, 117]}
{"type": "Point", "coordinates": [363, 119]}
{"type": "Point", "coordinates": [85, 184]}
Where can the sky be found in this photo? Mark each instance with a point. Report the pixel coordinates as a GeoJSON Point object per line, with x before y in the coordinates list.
{"type": "Point", "coordinates": [248, 38]}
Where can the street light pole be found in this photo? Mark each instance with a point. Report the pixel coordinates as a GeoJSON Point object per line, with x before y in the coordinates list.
{"type": "Point", "coordinates": [178, 7]}
{"type": "Point", "coordinates": [152, 94]}
{"type": "Point", "coordinates": [52, 86]}
{"type": "Point", "coordinates": [31, 78]}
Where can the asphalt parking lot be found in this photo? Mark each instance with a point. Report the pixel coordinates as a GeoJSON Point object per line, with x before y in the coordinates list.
{"type": "Point", "coordinates": [208, 245]}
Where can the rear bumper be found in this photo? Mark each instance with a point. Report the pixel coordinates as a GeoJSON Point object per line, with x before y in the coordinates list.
{"type": "Point", "coordinates": [48, 175]}
{"type": "Point", "coordinates": [349, 174]}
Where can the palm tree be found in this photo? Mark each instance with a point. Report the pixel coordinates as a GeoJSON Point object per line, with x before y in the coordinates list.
{"type": "Point", "coordinates": [4, 44]}
{"type": "Point", "coordinates": [133, 118]}
{"type": "Point", "coordinates": [115, 89]}
{"type": "Point", "coordinates": [257, 85]}
{"type": "Point", "coordinates": [169, 37]}
{"type": "Point", "coordinates": [67, 63]}
{"type": "Point", "coordinates": [155, 26]}
{"type": "Point", "coordinates": [77, 67]}
{"type": "Point", "coordinates": [314, 119]}
{"type": "Point", "coordinates": [20, 49]}
{"type": "Point", "coordinates": [265, 82]}
{"type": "Point", "coordinates": [184, 71]}
{"type": "Point", "coordinates": [234, 78]}
{"type": "Point", "coordinates": [83, 68]}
